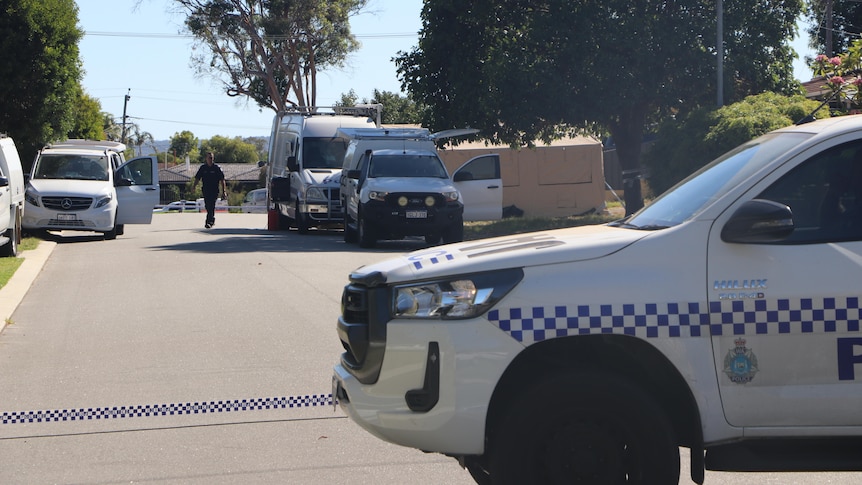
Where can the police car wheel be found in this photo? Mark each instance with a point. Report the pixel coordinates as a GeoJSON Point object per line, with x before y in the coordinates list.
{"type": "Point", "coordinates": [367, 237]}
{"type": "Point", "coordinates": [581, 427]}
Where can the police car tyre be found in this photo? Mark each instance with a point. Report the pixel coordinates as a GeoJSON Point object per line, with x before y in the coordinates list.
{"type": "Point", "coordinates": [301, 221]}
{"type": "Point", "coordinates": [367, 237]}
{"type": "Point", "coordinates": [584, 428]}
{"type": "Point", "coordinates": [454, 233]}
{"type": "Point", "coordinates": [121, 229]}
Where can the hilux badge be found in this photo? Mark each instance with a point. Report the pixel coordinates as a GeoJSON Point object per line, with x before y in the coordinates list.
{"type": "Point", "coordinates": [740, 364]}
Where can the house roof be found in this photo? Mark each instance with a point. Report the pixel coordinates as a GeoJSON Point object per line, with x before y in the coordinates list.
{"type": "Point", "coordinates": [233, 172]}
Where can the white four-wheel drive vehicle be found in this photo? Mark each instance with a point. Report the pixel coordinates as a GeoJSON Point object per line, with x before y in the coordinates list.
{"type": "Point", "coordinates": [84, 185]}
{"type": "Point", "coordinates": [393, 184]}
{"type": "Point", "coordinates": [724, 317]}
{"type": "Point", "coordinates": [11, 197]}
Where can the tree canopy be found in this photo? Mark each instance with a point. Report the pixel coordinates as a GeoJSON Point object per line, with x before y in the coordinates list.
{"type": "Point", "coordinates": [846, 23]}
{"type": "Point", "coordinates": [271, 50]}
{"type": "Point", "coordinates": [228, 150]}
{"type": "Point", "coordinates": [40, 72]}
{"type": "Point", "coordinates": [528, 70]}
{"type": "Point", "coordinates": [397, 109]}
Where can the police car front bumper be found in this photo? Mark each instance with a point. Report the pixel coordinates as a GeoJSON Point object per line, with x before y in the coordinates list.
{"type": "Point", "coordinates": [414, 404]}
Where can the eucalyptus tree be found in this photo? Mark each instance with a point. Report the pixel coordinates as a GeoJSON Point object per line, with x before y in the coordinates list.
{"type": "Point", "coordinates": [270, 50]}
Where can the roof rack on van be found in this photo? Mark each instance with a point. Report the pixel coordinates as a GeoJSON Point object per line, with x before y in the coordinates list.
{"type": "Point", "coordinates": [385, 133]}
{"type": "Point", "coordinates": [369, 110]}
{"type": "Point", "coordinates": [78, 143]}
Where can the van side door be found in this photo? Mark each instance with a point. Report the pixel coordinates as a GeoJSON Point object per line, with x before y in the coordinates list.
{"type": "Point", "coordinates": [137, 186]}
{"type": "Point", "coordinates": [481, 188]}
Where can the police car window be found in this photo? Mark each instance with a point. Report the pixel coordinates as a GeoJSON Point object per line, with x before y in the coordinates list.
{"type": "Point", "coordinates": [699, 190]}
{"type": "Point", "coordinates": [825, 195]}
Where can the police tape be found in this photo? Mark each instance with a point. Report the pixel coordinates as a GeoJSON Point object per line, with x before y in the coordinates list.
{"type": "Point", "coordinates": [115, 412]}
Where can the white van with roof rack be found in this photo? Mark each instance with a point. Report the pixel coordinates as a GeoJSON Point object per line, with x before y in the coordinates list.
{"type": "Point", "coordinates": [84, 185]}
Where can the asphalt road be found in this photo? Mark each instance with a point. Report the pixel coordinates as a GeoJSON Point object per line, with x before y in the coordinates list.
{"type": "Point", "coordinates": [176, 354]}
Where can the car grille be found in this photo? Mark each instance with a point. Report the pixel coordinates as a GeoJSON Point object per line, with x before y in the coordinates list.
{"type": "Point", "coordinates": [67, 203]}
{"type": "Point", "coordinates": [414, 200]}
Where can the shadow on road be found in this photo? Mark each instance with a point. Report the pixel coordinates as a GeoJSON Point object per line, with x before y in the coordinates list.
{"type": "Point", "coordinates": [239, 240]}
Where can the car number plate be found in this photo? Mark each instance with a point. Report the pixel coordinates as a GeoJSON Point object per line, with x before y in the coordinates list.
{"type": "Point", "coordinates": [417, 214]}
{"type": "Point", "coordinates": [67, 217]}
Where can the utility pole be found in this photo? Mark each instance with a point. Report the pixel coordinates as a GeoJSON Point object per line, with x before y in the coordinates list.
{"type": "Point", "coordinates": [125, 105]}
{"type": "Point", "coordinates": [828, 18]}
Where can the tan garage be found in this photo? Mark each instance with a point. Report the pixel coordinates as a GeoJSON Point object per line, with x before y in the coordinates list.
{"type": "Point", "coordinates": [561, 179]}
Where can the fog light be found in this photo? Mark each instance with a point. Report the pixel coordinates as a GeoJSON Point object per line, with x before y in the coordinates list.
{"type": "Point", "coordinates": [429, 201]}
{"type": "Point", "coordinates": [402, 201]}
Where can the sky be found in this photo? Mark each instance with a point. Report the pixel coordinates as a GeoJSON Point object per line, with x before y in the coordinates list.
{"type": "Point", "coordinates": [140, 52]}
{"type": "Point", "coordinates": [134, 47]}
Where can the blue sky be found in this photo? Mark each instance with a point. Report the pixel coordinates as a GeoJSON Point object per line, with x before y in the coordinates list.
{"type": "Point", "coordinates": [122, 51]}
{"type": "Point", "coordinates": [139, 52]}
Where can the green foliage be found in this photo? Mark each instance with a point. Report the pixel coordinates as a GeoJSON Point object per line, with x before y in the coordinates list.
{"type": "Point", "coordinates": [396, 109]}
{"type": "Point", "coordinates": [537, 70]}
{"type": "Point", "coordinates": [183, 143]}
{"type": "Point", "coordinates": [228, 150]}
{"type": "Point", "coordinates": [846, 19]}
{"type": "Point", "coordinates": [87, 118]}
{"type": "Point", "coordinates": [40, 71]}
{"type": "Point", "coordinates": [684, 145]}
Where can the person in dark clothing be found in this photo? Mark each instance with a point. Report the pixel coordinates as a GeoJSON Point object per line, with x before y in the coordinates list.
{"type": "Point", "coordinates": [212, 179]}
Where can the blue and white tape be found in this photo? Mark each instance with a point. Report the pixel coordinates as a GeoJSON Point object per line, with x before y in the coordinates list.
{"type": "Point", "coordinates": [117, 412]}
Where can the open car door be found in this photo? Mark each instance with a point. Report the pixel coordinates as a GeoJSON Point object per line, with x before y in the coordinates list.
{"type": "Point", "coordinates": [137, 186]}
{"type": "Point", "coordinates": [481, 188]}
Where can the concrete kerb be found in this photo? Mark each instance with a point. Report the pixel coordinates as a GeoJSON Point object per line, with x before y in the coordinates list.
{"type": "Point", "coordinates": [14, 291]}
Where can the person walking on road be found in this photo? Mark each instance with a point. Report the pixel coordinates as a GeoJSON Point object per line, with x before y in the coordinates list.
{"type": "Point", "coordinates": [212, 179]}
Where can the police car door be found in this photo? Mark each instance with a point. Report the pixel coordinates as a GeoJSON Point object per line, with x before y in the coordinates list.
{"type": "Point", "coordinates": [481, 188]}
{"type": "Point", "coordinates": [786, 315]}
{"type": "Point", "coordinates": [137, 186]}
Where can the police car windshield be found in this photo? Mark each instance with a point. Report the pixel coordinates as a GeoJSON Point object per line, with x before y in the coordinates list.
{"type": "Point", "coordinates": [79, 167]}
{"type": "Point", "coordinates": [699, 190]}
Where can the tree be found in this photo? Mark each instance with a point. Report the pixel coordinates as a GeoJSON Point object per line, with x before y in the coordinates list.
{"type": "Point", "coordinates": [138, 138]}
{"type": "Point", "coordinates": [539, 70]}
{"type": "Point", "coordinates": [40, 72]}
{"type": "Point", "coordinates": [86, 118]}
{"type": "Point", "coordinates": [271, 50]}
{"type": "Point", "coordinates": [846, 21]}
{"type": "Point", "coordinates": [397, 109]}
{"type": "Point", "coordinates": [685, 145]}
{"type": "Point", "coordinates": [183, 143]}
{"type": "Point", "coordinates": [228, 150]}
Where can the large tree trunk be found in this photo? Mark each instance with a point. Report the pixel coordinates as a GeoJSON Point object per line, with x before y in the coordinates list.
{"type": "Point", "coordinates": [627, 131]}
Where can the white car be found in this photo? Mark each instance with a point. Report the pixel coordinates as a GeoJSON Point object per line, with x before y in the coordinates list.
{"type": "Point", "coordinates": [83, 185]}
{"type": "Point", "coordinates": [179, 206]}
{"type": "Point", "coordinates": [255, 201]}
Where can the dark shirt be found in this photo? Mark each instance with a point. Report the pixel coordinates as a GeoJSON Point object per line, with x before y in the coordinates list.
{"type": "Point", "coordinates": [209, 175]}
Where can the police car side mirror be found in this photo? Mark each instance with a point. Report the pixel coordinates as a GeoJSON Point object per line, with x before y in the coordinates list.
{"type": "Point", "coordinates": [759, 221]}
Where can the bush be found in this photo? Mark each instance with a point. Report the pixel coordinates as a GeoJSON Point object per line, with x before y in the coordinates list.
{"type": "Point", "coordinates": [685, 145]}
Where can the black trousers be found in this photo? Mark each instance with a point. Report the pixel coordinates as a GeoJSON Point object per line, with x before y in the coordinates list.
{"type": "Point", "coordinates": [209, 205]}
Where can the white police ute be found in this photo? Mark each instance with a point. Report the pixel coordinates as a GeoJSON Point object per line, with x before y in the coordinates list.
{"type": "Point", "coordinates": [724, 317]}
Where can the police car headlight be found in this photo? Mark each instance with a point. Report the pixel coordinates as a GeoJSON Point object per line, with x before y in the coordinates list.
{"type": "Point", "coordinates": [460, 297]}
{"type": "Point", "coordinates": [315, 193]}
{"type": "Point", "coordinates": [104, 201]}
{"type": "Point", "coordinates": [375, 195]}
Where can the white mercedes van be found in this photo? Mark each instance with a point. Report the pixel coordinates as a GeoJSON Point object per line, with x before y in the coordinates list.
{"type": "Point", "coordinates": [84, 185]}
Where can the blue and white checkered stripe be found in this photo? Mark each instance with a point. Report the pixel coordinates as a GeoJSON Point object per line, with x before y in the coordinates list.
{"type": "Point", "coordinates": [672, 320]}
{"type": "Point", "coordinates": [236, 405]}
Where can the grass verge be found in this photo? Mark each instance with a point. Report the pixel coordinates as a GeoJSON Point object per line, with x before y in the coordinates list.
{"type": "Point", "coordinates": [518, 225]}
{"type": "Point", "coordinates": [8, 266]}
